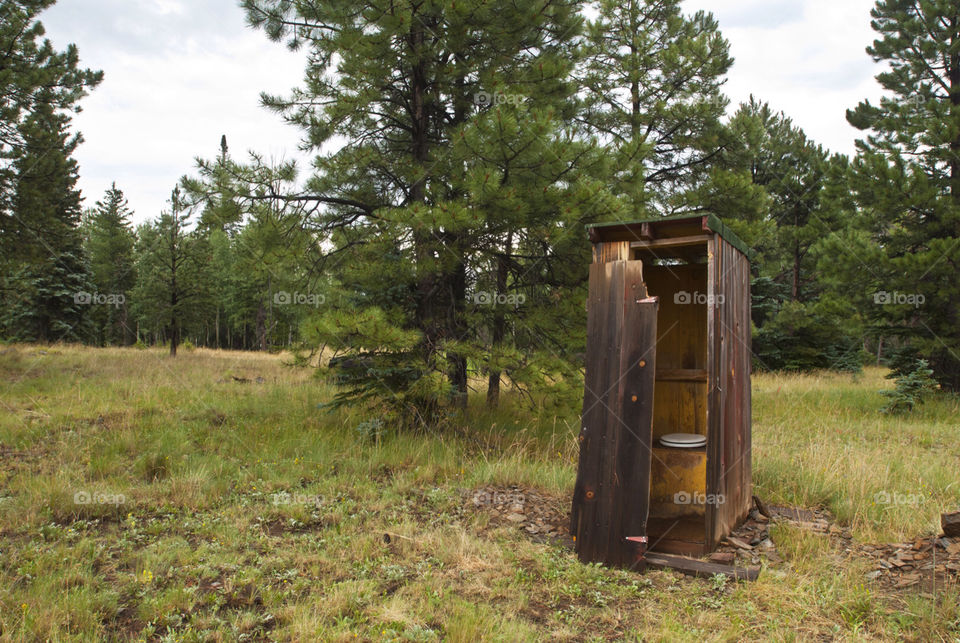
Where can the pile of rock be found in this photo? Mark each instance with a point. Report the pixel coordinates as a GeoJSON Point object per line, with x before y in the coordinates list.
{"type": "Point", "coordinates": [540, 516]}
{"type": "Point", "coordinates": [924, 561]}
{"type": "Point", "coordinates": [907, 564]}
{"type": "Point", "coordinates": [751, 543]}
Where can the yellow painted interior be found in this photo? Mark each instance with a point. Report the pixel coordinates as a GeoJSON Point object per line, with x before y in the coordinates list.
{"type": "Point", "coordinates": [677, 471]}
{"type": "Point", "coordinates": [679, 406]}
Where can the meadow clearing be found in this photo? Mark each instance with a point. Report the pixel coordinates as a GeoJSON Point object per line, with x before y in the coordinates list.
{"type": "Point", "coordinates": [208, 497]}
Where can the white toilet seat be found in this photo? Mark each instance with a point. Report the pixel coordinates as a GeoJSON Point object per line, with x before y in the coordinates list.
{"type": "Point", "coordinates": [683, 440]}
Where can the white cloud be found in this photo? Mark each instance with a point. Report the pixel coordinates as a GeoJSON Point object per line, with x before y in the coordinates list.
{"type": "Point", "coordinates": [178, 75]}
{"type": "Point", "coordinates": [806, 58]}
{"type": "Point", "coordinates": [176, 78]}
{"type": "Point", "coordinates": [164, 7]}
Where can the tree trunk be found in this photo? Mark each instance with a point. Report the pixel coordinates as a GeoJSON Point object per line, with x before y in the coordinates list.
{"type": "Point", "coordinates": [174, 336]}
{"type": "Point", "coordinates": [953, 74]}
{"type": "Point", "coordinates": [499, 321]}
{"type": "Point", "coordinates": [948, 373]}
{"type": "Point", "coordinates": [261, 326]}
{"type": "Point", "coordinates": [795, 279]}
{"type": "Point", "coordinates": [458, 363]}
{"type": "Point", "coordinates": [174, 322]}
{"type": "Point", "coordinates": [125, 325]}
{"type": "Point", "coordinates": [428, 282]}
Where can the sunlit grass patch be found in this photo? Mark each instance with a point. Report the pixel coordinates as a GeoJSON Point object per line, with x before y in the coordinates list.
{"type": "Point", "coordinates": [218, 509]}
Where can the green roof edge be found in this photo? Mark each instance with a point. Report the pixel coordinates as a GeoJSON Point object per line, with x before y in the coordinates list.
{"type": "Point", "coordinates": [713, 222]}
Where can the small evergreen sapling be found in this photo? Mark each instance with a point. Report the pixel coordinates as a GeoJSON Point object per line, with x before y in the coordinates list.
{"type": "Point", "coordinates": [910, 390]}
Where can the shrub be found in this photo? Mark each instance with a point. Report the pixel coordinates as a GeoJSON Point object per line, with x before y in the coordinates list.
{"type": "Point", "coordinates": [911, 387]}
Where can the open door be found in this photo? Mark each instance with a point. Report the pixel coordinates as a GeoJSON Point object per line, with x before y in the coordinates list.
{"type": "Point", "coordinates": [611, 500]}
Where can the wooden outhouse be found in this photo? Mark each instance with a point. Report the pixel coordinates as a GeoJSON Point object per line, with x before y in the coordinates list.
{"type": "Point", "coordinates": [668, 364]}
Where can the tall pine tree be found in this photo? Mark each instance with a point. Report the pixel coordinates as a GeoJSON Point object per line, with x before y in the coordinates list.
{"type": "Point", "coordinates": [653, 78]}
{"type": "Point", "coordinates": [42, 269]}
{"type": "Point", "coordinates": [907, 176]}
{"type": "Point", "coordinates": [169, 274]}
{"type": "Point", "coordinates": [457, 156]}
{"type": "Point", "coordinates": [109, 248]}
{"type": "Point", "coordinates": [36, 81]}
{"type": "Point", "coordinates": [46, 285]}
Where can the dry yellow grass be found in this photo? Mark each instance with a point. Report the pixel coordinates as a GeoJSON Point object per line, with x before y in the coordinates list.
{"type": "Point", "coordinates": [200, 549]}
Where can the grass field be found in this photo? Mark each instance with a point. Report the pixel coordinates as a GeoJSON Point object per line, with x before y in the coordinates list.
{"type": "Point", "coordinates": [208, 498]}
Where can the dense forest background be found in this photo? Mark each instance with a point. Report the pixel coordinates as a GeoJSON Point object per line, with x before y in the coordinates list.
{"type": "Point", "coordinates": [436, 246]}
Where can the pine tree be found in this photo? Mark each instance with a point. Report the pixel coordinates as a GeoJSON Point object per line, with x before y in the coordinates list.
{"type": "Point", "coordinates": [259, 251]}
{"type": "Point", "coordinates": [218, 229]}
{"type": "Point", "coordinates": [793, 172]}
{"type": "Point", "coordinates": [42, 268]}
{"type": "Point", "coordinates": [169, 273]}
{"type": "Point", "coordinates": [454, 116]}
{"type": "Point", "coordinates": [653, 77]}
{"type": "Point", "coordinates": [109, 246]}
{"type": "Point", "coordinates": [44, 256]}
{"type": "Point", "coordinates": [49, 299]}
{"type": "Point", "coordinates": [221, 209]}
{"type": "Point", "coordinates": [775, 187]}
{"type": "Point", "coordinates": [907, 176]}
{"type": "Point", "coordinates": [34, 77]}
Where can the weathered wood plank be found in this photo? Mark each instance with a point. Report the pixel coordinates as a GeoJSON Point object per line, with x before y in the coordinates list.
{"type": "Point", "coordinates": [608, 492]}
{"type": "Point", "coordinates": [714, 424]}
{"type": "Point", "coordinates": [672, 242]}
{"type": "Point", "coordinates": [634, 445]}
{"type": "Point", "coordinates": [593, 423]}
{"type": "Point", "coordinates": [611, 251]}
{"type": "Point", "coordinates": [734, 319]}
{"type": "Point", "coordinates": [700, 568]}
{"type": "Point", "coordinates": [614, 470]}
{"type": "Point", "coordinates": [682, 375]}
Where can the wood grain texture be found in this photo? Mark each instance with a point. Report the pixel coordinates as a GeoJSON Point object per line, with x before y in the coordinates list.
{"type": "Point", "coordinates": [701, 568]}
{"type": "Point", "coordinates": [694, 347]}
{"type": "Point", "coordinates": [615, 436]}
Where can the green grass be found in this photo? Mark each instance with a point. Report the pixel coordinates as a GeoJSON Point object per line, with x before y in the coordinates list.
{"type": "Point", "coordinates": [198, 549]}
{"type": "Point", "coordinates": [822, 441]}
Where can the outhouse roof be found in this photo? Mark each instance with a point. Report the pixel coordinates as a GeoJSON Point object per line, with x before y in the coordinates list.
{"type": "Point", "coordinates": [649, 230]}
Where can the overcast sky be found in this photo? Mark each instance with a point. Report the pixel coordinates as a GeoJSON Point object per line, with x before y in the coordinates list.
{"type": "Point", "coordinates": [179, 73]}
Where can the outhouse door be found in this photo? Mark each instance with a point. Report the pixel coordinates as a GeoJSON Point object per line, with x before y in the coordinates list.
{"type": "Point", "coordinates": [611, 499]}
